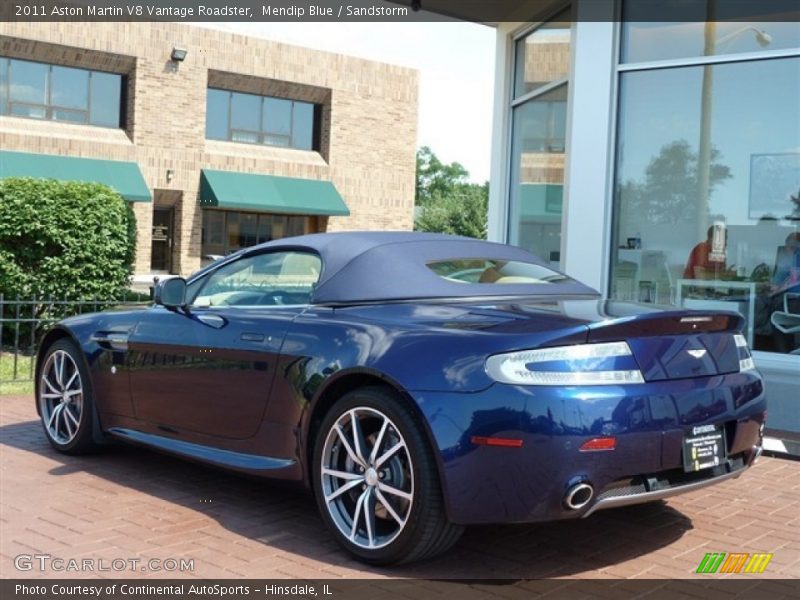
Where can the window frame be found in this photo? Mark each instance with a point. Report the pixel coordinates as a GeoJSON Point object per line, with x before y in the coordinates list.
{"type": "Point", "coordinates": [263, 133]}
{"type": "Point", "coordinates": [514, 102]}
{"type": "Point", "coordinates": [203, 279]}
{"type": "Point", "coordinates": [50, 108]}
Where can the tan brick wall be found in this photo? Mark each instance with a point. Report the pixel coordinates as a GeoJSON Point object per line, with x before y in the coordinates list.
{"type": "Point", "coordinates": [541, 167]}
{"type": "Point", "coordinates": [370, 110]}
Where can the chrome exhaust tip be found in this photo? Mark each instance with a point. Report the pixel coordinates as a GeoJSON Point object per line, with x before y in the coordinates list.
{"type": "Point", "coordinates": [578, 496]}
{"type": "Point", "coordinates": [756, 454]}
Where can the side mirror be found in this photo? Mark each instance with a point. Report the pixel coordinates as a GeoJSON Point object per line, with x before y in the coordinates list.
{"type": "Point", "coordinates": [171, 293]}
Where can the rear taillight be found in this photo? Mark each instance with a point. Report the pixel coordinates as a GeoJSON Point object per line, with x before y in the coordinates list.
{"type": "Point", "coordinates": [599, 444]}
{"type": "Point", "coordinates": [745, 359]}
{"type": "Point", "coordinates": [584, 364]}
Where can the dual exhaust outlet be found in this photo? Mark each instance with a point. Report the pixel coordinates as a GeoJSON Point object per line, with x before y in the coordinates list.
{"type": "Point", "coordinates": [578, 496]}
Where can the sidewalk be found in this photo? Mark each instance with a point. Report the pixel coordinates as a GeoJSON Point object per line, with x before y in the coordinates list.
{"type": "Point", "coordinates": [130, 503]}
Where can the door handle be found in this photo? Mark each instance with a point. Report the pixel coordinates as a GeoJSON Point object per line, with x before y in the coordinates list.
{"type": "Point", "coordinates": [214, 321]}
{"type": "Point", "coordinates": [253, 337]}
{"type": "Point", "coordinates": [112, 341]}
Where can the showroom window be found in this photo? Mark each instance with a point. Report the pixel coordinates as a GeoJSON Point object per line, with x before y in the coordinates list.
{"type": "Point", "coordinates": [42, 91]}
{"type": "Point", "coordinates": [539, 122]}
{"type": "Point", "coordinates": [227, 231]}
{"type": "Point", "coordinates": [253, 119]}
{"type": "Point", "coordinates": [707, 182]}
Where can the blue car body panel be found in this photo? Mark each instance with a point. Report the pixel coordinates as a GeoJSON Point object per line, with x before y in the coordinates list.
{"type": "Point", "coordinates": [243, 388]}
{"type": "Point", "coordinates": [491, 485]}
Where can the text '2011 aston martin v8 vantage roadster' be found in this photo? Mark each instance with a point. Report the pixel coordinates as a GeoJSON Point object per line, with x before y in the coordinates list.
{"type": "Point", "coordinates": [415, 383]}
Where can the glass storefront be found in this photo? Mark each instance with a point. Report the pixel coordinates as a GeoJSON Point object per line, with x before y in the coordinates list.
{"type": "Point", "coordinates": [539, 117]}
{"type": "Point", "coordinates": [645, 42]}
{"type": "Point", "coordinates": [226, 231]}
{"type": "Point", "coordinates": [707, 182]}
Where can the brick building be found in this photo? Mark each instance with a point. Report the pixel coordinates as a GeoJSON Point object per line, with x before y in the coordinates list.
{"type": "Point", "coordinates": [219, 140]}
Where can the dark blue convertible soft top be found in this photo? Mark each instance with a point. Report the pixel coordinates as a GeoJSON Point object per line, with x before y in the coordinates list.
{"type": "Point", "coordinates": [388, 266]}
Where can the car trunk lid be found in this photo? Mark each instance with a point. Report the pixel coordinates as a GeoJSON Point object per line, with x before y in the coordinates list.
{"type": "Point", "coordinates": [676, 345]}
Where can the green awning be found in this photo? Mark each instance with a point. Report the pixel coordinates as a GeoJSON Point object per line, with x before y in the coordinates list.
{"type": "Point", "coordinates": [124, 177]}
{"type": "Point", "coordinates": [270, 193]}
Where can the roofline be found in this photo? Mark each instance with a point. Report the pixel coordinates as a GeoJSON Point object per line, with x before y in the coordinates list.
{"type": "Point", "coordinates": [459, 299]}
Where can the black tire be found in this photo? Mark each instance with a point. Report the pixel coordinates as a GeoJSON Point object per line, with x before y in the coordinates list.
{"type": "Point", "coordinates": [61, 429]}
{"type": "Point", "coordinates": [426, 530]}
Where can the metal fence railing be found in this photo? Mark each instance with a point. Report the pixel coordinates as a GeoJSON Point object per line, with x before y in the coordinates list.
{"type": "Point", "coordinates": [24, 321]}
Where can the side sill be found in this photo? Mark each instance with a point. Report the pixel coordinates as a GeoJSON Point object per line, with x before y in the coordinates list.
{"type": "Point", "coordinates": [214, 456]}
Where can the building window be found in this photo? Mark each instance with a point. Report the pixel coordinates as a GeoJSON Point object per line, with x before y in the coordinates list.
{"type": "Point", "coordinates": [43, 91]}
{"type": "Point", "coordinates": [649, 42]}
{"type": "Point", "coordinates": [253, 119]}
{"type": "Point", "coordinates": [542, 56]}
{"type": "Point", "coordinates": [227, 231]}
{"type": "Point", "coordinates": [538, 133]}
{"type": "Point", "coordinates": [707, 182]}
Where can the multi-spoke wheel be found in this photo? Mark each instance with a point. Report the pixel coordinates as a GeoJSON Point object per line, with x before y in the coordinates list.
{"type": "Point", "coordinates": [376, 482]}
{"type": "Point", "coordinates": [64, 399]}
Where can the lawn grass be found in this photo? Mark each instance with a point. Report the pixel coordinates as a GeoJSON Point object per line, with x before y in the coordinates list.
{"type": "Point", "coordinates": [8, 388]}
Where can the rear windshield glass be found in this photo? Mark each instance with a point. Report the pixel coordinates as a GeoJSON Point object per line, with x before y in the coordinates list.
{"type": "Point", "coordinates": [488, 270]}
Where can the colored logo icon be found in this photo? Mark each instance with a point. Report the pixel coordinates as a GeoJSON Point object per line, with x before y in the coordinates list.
{"type": "Point", "coordinates": [741, 562]}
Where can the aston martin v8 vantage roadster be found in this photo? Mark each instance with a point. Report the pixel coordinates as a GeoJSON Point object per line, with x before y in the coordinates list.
{"type": "Point", "coordinates": [414, 383]}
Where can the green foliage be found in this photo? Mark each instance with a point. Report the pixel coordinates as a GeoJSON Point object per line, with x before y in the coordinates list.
{"type": "Point", "coordinates": [16, 376]}
{"type": "Point", "coordinates": [436, 179]}
{"type": "Point", "coordinates": [462, 212]}
{"type": "Point", "coordinates": [446, 203]}
{"type": "Point", "coordinates": [64, 239]}
{"type": "Point", "coordinates": [669, 192]}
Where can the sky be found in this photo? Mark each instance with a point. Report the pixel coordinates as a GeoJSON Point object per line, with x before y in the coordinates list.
{"type": "Point", "coordinates": [456, 65]}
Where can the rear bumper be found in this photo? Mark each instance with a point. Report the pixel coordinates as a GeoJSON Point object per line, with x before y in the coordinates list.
{"type": "Point", "coordinates": [639, 494]}
{"type": "Point", "coordinates": [486, 484]}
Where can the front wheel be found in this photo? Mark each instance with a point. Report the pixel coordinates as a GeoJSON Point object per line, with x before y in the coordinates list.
{"type": "Point", "coordinates": [376, 483]}
{"type": "Point", "coordinates": [65, 399]}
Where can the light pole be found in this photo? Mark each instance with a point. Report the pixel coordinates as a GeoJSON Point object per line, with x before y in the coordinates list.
{"type": "Point", "coordinates": [706, 96]}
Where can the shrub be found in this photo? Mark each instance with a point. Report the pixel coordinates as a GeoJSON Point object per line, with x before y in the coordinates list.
{"type": "Point", "coordinates": [65, 240]}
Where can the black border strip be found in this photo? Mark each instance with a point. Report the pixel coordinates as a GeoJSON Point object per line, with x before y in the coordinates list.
{"type": "Point", "coordinates": [486, 11]}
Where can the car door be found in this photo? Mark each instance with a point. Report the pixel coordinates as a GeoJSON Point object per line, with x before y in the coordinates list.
{"type": "Point", "coordinates": [209, 369]}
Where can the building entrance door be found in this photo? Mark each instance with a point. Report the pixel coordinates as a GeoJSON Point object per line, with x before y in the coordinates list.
{"type": "Point", "coordinates": [161, 250]}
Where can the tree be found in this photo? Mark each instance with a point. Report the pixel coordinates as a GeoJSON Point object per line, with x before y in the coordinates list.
{"type": "Point", "coordinates": [795, 200]}
{"type": "Point", "coordinates": [463, 212]}
{"type": "Point", "coordinates": [668, 193]}
{"type": "Point", "coordinates": [436, 179]}
{"type": "Point", "coordinates": [64, 240]}
{"type": "Point", "coordinates": [446, 203]}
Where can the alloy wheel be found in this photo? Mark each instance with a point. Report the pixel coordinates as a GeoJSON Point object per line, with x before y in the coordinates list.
{"type": "Point", "coordinates": [367, 477]}
{"type": "Point", "coordinates": [61, 397]}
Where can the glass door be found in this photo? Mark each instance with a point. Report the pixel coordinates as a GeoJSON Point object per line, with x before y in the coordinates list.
{"type": "Point", "coordinates": [161, 249]}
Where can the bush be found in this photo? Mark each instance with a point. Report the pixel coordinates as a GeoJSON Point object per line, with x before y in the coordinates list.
{"type": "Point", "coordinates": [65, 240]}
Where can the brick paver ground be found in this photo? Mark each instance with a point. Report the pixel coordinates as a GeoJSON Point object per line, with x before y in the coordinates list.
{"type": "Point", "coordinates": [132, 503]}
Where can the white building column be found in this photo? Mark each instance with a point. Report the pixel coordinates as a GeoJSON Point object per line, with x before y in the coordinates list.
{"type": "Point", "coordinates": [586, 231]}
{"type": "Point", "coordinates": [501, 123]}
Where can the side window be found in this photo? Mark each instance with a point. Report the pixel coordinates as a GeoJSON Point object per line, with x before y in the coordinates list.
{"type": "Point", "coordinates": [270, 279]}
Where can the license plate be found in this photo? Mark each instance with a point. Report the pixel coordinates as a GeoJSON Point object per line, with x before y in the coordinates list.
{"type": "Point", "coordinates": [703, 447]}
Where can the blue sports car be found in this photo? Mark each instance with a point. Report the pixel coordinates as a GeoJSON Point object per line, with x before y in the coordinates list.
{"type": "Point", "coordinates": [415, 383]}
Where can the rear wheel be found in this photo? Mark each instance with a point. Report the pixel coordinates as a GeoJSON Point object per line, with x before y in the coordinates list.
{"type": "Point", "coordinates": [376, 483]}
{"type": "Point", "coordinates": [65, 399]}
